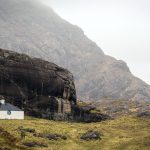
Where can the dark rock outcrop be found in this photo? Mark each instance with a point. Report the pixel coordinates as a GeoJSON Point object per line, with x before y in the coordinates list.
{"type": "Point", "coordinates": [84, 114]}
{"type": "Point", "coordinates": [42, 89]}
{"type": "Point", "coordinates": [145, 114]}
{"type": "Point", "coordinates": [29, 130]}
{"type": "Point", "coordinates": [50, 136]}
{"type": "Point", "coordinates": [34, 144]}
{"type": "Point", "coordinates": [91, 135]}
{"type": "Point", "coordinates": [33, 84]}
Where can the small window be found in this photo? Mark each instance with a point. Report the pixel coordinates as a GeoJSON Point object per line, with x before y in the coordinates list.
{"type": "Point", "coordinates": [8, 112]}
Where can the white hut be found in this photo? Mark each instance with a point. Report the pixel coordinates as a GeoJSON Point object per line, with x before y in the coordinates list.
{"type": "Point", "coordinates": [8, 111]}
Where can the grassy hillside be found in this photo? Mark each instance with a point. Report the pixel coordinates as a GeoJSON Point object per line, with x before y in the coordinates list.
{"type": "Point", "coordinates": [125, 133]}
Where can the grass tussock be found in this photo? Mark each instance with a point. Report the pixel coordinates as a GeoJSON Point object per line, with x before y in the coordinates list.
{"type": "Point", "coordinates": [125, 133]}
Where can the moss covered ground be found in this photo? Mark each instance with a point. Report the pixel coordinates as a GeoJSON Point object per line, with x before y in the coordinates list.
{"type": "Point", "coordinates": [125, 133]}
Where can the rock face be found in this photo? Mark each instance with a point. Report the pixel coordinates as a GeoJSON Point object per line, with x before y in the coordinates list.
{"type": "Point", "coordinates": [29, 27]}
{"type": "Point", "coordinates": [41, 88]}
{"type": "Point", "coordinates": [38, 86]}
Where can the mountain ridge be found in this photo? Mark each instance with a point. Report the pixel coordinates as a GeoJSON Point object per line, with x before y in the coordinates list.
{"type": "Point", "coordinates": [36, 30]}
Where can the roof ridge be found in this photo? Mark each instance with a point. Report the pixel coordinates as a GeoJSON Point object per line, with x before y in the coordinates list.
{"type": "Point", "coordinates": [9, 106]}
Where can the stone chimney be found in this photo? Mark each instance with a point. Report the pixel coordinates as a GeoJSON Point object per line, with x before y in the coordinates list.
{"type": "Point", "coordinates": [2, 101]}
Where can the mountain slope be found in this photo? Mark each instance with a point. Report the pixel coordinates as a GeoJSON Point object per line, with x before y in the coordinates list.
{"type": "Point", "coordinates": [30, 27]}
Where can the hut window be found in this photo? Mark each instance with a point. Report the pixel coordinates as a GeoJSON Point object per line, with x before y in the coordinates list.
{"type": "Point", "coordinates": [8, 112]}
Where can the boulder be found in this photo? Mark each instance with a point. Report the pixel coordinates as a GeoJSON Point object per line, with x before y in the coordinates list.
{"type": "Point", "coordinates": [91, 135]}
{"type": "Point", "coordinates": [34, 144]}
{"type": "Point", "coordinates": [50, 136]}
{"type": "Point", "coordinates": [29, 130]}
{"type": "Point", "coordinates": [145, 114]}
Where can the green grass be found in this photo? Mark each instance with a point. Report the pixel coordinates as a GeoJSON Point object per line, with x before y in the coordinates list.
{"type": "Point", "coordinates": [125, 133]}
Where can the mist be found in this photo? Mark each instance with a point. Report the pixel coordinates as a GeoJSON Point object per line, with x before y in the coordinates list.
{"type": "Point", "coordinates": [120, 28]}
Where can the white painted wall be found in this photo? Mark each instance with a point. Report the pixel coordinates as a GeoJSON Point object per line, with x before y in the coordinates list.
{"type": "Point", "coordinates": [13, 115]}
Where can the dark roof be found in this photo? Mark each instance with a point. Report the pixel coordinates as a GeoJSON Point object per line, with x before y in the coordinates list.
{"type": "Point", "coordinates": [8, 106]}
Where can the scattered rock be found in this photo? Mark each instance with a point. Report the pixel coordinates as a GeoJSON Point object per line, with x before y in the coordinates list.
{"type": "Point", "coordinates": [91, 135]}
{"type": "Point", "coordinates": [89, 107]}
{"type": "Point", "coordinates": [34, 144]}
{"type": "Point", "coordinates": [95, 117]}
{"type": "Point", "coordinates": [30, 130]}
{"type": "Point", "coordinates": [51, 136]}
{"type": "Point", "coordinates": [145, 114]}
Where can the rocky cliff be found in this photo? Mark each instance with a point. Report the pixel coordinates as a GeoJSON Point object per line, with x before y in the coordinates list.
{"type": "Point", "coordinates": [35, 85]}
{"type": "Point", "coordinates": [30, 27]}
{"type": "Point", "coordinates": [41, 88]}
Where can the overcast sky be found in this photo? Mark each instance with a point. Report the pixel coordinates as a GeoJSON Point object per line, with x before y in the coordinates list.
{"type": "Point", "coordinates": [120, 27]}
